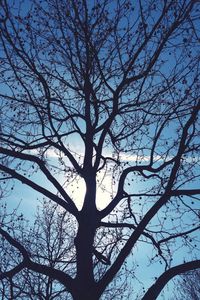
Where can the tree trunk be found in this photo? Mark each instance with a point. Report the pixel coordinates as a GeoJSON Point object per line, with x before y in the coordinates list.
{"type": "Point", "coordinates": [86, 296]}
{"type": "Point", "coordinates": [84, 246]}
{"type": "Point", "coordinates": [85, 282]}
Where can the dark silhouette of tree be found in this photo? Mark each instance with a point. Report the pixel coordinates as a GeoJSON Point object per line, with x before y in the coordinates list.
{"type": "Point", "coordinates": [188, 286]}
{"type": "Point", "coordinates": [104, 94]}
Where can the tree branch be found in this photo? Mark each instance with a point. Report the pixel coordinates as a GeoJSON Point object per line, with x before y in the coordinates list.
{"type": "Point", "coordinates": [157, 287]}
{"type": "Point", "coordinates": [155, 208]}
{"type": "Point", "coordinates": [43, 168]}
{"type": "Point", "coordinates": [40, 189]}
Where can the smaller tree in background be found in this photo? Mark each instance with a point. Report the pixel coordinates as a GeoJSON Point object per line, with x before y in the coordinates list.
{"type": "Point", "coordinates": [188, 287]}
{"type": "Point", "coordinates": [45, 242]}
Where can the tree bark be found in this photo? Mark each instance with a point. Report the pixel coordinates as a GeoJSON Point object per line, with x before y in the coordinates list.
{"type": "Point", "coordinates": [86, 286]}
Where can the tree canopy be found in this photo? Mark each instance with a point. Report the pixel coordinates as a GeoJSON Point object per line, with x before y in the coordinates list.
{"type": "Point", "coordinates": [102, 97]}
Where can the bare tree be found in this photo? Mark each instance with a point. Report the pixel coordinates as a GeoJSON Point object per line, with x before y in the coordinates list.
{"type": "Point", "coordinates": [104, 95]}
{"type": "Point", "coordinates": [188, 286]}
{"type": "Point", "coordinates": [46, 242]}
